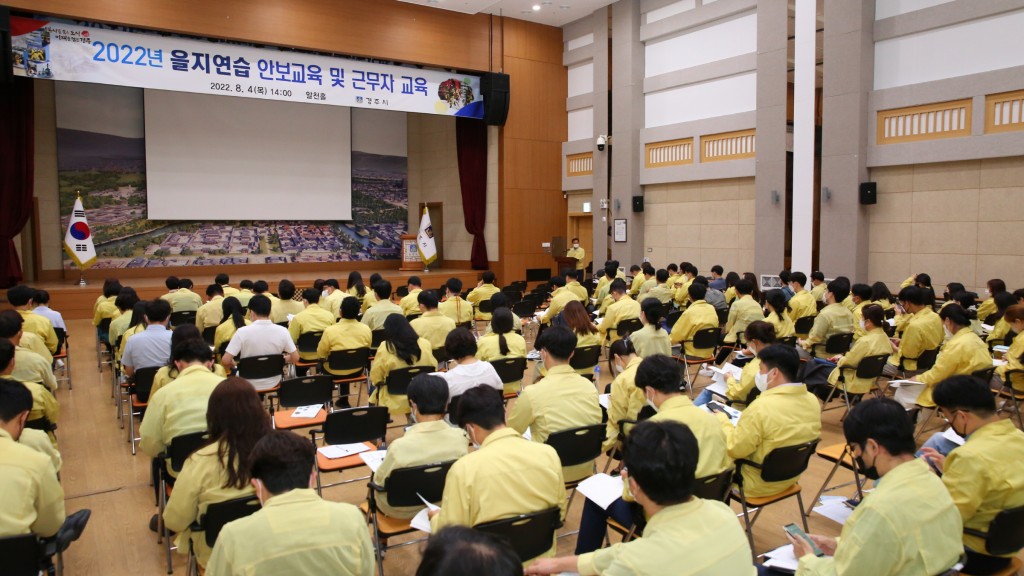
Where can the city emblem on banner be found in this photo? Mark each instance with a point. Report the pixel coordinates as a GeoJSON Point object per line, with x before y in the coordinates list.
{"type": "Point", "coordinates": [78, 240]}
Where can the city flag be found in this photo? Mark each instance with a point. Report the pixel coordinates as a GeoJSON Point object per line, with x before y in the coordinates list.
{"type": "Point", "coordinates": [78, 240]}
{"type": "Point", "coordinates": [425, 240]}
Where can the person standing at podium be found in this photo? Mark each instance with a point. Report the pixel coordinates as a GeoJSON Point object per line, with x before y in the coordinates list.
{"type": "Point", "coordinates": [580, 255]}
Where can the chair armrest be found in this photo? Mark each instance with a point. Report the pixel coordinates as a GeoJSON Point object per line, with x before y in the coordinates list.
{"type": "Point", "coordinates": [975, 532]}
{"type": "Point", "coordinates": [313, 433]}
{"type": "Point", "coordinates": [622, 426]}
{"type": "Point", "coordinates": [375, 487]}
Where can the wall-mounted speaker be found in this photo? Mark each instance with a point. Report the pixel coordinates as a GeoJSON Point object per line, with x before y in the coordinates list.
{"type": "Point", "coordinates": [494, 87]}
{"type": "Point", "coordinates": [868, 193]}
{"type": "Point", "coordinates": [638, 203]}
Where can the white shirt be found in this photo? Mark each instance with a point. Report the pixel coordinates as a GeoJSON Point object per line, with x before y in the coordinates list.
{"type": "Point", "coordinates": [261, 338]}
{"type": "Point", "coordinates": [466, 376]}
{"type": "Point", "coordinates": [54, 317]}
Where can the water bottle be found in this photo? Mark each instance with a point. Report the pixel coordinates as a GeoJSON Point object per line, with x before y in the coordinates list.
{"type": "Point", "coordinates": [597, 374]}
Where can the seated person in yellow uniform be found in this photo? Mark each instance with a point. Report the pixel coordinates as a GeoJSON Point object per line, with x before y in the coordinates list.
{"type": "Point", "coordinates": [680, 292]}
{"type": "Point", "coordinates": [758, 336]}
{"type": "Point", "coordinates": [860, 296]}
{"type": "Point", "coordinates": [136, 324]}
{"type": "Point", "coordinates": [347, 334]}
{"type": "Point", "coordinates": [833, 319]}
{"type": "Point", "coordinates": [742, 312]}
{"type": "Point", "coordinates": [1000, 329]}
{"type": "Point", "coordinates": [371, 297]}
{"type": "Point", "coordinates": [573, 285]}
{"type": "Point", "coordinates": [313, 318]}
{"type": "Point", "coordinates": [169, 372]}
{"type": "Point", "coordinates": [576, 251]}
{"type": "Point", "coordinates": [778, 314]}
{"type": "Point", "coordinates": [502, 342]}
{"type": "Point", "coordinates": [261, 287]}
{"type": "Point", "coordinates": [234, 319]}
{"type": "Point", "coordinates": [561, 400]}
{"type": "Point", "coordinates": [874, 342]}
{"type": "Point", "coordinates": [219, 471]}
{"type": "Point", "coordinates": [454, 306]}
{"type": "Point", "coordinates": [105, 308]}
{"type": "Point", "coordinates": [410, 302]}
{"type": "Point", "coordinates": [660, 290]}
{"type": "Point", "coordinates": [111, 287]}
{"type": "Point", "coordinates": [785, 414]}
{"type": "Point", "coordinates": [429, 441]}
{"type": "Point", "coordinates": [907, 524]}
{"type": "Point", "coordinates": [818, 285]}
{"type": "Point", "coordinates": [431, 324]}
{"type": "Point", "coordinates": [560, 296]}
{"type": "Point", "coordinates": [484, 290]}
{"type": "Point", "coordinates": [803, 303]}
{"type": "Point", "coordinates": [507, 475]}
{"type": "Point", "coordinates": [401, 348]}
{"type": "Point", "coordinates": [211, 314]}
{"type": "Point", "coordinates": [624, 308]}
{"type": "Point", "coordinates": [172, 296]}
{"type": "Point", "coordinates": [285, 305]}
{"type": "Point", "coordinates": [684, 534]}
{"type": "Point", "coordinates": [984, 476]}
{"type": "Point", "coordinates": [33, 498]}
{"type": "Point", "coordinates": [730, 287]}
{"type": "Point", "coordinates": [964, 353]}
{"type": "Point", "coordinates": [45, 410]}
{"type": "Point", "coordinates": [880, 295]}
{"type": "Point", "coordinates": [333, 535]}
{"type": "Point", "coordinates": [625, 398]}
{"type": "Point", "coordinates": [652, 338]}
{"type": "Point", "coordinates": [577, 319]}
{"type": "Point", "coordinates": [125, 302]}
{"type": "Point", "coordinates": [1015, 355]}
{"type": "Point", "coordinates": [224, 282]}
{"type": "Point", "coordinates": [20, 297]}
{"type": "Point", "coordinates": [988, 307]}
{"type": "Point", "coordinates": [29, 366]}
{"type": "Point", "coordinates": [383, 307]}
{"type": "Point", "coordinates": [331, 297]}
{"type": "Point", "coordinates": [699, 315]}
{"type": "Point", "coordinates": [500, 300]}
{"type": "Point", "coordinates": [921, 331]}
{"type": "Point", "coordinates": [638, 280]}
{"type": "Point", "coordinates": [245, 292]}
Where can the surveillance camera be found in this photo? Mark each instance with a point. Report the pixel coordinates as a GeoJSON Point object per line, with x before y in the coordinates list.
{"type": "Point", "coordinates": [600, 143]}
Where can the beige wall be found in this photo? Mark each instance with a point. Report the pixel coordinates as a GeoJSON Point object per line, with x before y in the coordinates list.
{"type": "Point", "coordinates": [708, 222]}
{"type": "Point", "coordinates": [51, 237]}
{"type": "Point", "coordinates": [956, 221]}
{"type": "Point", "coordinates": [434, 177]}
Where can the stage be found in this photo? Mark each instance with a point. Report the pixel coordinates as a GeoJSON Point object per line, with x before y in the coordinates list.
{"type": "Point", "coordinates": [76, 302]}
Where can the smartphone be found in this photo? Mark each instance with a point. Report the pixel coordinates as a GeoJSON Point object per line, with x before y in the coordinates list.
{"type": "Point", "coordinates": [716, 407]}
{"type": "Point", "coordinates": [795, 531]}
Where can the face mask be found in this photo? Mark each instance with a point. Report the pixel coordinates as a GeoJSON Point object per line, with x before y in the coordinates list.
{"type": "Point", "coordinates": [987, 291]}
{"type": "Point", "coordinates": [862, 327]}
{"type": "Point", "coordinates": [946, 330]}
{"type": "Point", "coordinates": [824, 297]}
{"type": "Point", "coordinates": [576, 245]}
{"type": "Point", "coordinates": [962, 434]}
{"type": "Point", "coordinates": [324, 294]}
{"type": "Point", "coordinates": [761, 381]}
{"type": "Point", "coordinates": [869, 472]}
{"type": "Point", "coordinates": [650, 402]}
{"type": "Point", "coordinates": [476, 446]}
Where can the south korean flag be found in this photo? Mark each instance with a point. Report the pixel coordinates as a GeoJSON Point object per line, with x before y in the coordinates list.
{"type": "Point", "coordinates": [78, 240]}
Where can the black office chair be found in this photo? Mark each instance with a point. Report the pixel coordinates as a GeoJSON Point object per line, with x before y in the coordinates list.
{"type": "Point", "coordinates": [257, 367]}
{"type": "Point", "coordinates": [307, 344]}
{"type": "Point", "coordinates": [403, 487]}
{"type": "Point", "coordinates": [870, 367]}
{"type": "Point", "coordinates": [63, 354]}
{"type": "Point", "coordinates": [530, 535]}
{"type": "Point", "coordinates": [183, 317]}
{"type": "Point", "coordinates": [177, 453]}
{"type": "Point", "coordinates": [524, 308]}
{"type": "Point", "coordinates": [577, 446]}
{"type": "Point", "coordinates": [23, 556]}
{"type": "Point", "coordinates": [376, 339]}
{"type": "Point", "coordinates": [511, 370]}
{"type": "Point", "coordinates": [301, 391]}
{"type": "Point", "coordinates": [1005, 533]}
{"type": "Point", "coordinates": [348, 366]}
{"type": "Point", "coordinates": [586, 357]}
{"type": "Point", "coordinates": [703, 339]}
{"type": "Point", "coordinates": [714, 487]}
{"type": "Point", "coordinates": [137, 397]}
{"type": "Point", "coordinates": [218, 515]}
{"type": "Point", "coordinates": [349, 426]}
{"type": "Point", "coordinates": [836, 343]}
{"type": "Point", "coordinates": [803, 326]}
{"type": "Point", "coordinates": [672, 318]}
{"type": "Point", "coordinates": [627, 327]}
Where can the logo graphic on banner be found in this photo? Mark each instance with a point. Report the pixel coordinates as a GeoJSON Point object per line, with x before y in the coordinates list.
{"type": "Point", "coordinates": [60, 51]}
{"type": "Point", "coordinates": [78, 240]}
{"type": "Point", "coordinates": [425, 240]}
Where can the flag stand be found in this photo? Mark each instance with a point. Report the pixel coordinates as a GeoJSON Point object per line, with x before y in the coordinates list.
{"type": "Point", "coordinates": [81, 278]}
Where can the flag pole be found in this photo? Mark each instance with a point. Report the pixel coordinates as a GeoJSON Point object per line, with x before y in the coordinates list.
{"type": "Point", "coordinates": [81, 270]}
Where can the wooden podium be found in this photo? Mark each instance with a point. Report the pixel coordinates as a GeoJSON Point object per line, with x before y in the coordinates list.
{"type": "Point", "coordinates": [565, 262]}
{"type": "Point", "coordinates": [410, 254]}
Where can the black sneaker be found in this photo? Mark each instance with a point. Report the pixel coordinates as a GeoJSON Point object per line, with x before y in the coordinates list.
{"type": "Point", "coordinates": [154, 523]}
{"type": "Point", "coordinates": [342, 403]}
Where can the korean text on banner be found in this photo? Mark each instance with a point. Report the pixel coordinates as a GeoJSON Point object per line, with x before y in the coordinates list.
{"type": "Point", "coordinates": [425, 240]}
{"type": "Point", "coordinates": [78, 240]}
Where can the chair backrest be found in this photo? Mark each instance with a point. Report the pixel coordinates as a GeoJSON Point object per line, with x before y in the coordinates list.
{"type": "Point", "coordinates": [184, 446]}
{"type": "Point", "coordinates": [927, 359]}
{"type": "Point", "coordinates": [985, 374]}
{"type": "Point", "coordinates": [788, 341]}
{"type": "Point", "coordinates": [672, 318]}
{"type": "Point", "coordinates": [466, 325]}
{"type": "Point", "coordinates": [406, 485]}
{"type": "Point", "coordinates": [376, 338]}
{"type": "Point", "coordinates": [787, 462]}
{"type": "Point", "coordinates": [628, 326]}
{"type": "Point", "coordinates": [1006, 532]}
{"type": "Point", "coordinates": [803, 325]}
{"type": "Point", "coordinates": [715, 487]}
{"type": "Point", "coordinates": [991, 319]}
{"type": "Point", "coordinates": [306, 391]}
{"type": "Point", "coordinates": [142, 382]}
{"type": "Point", "coordinates": [839, 343]}
{"type": "Point", "coordinates": [872, 366]}
{"type": "Point", "coordinates": [183, 317]}
{"type": "Point", "coordinates": [62, 337]}
{"type": "Point", "coordinates": [255, 367]}
{"type": "Point", "coordinates": [509, 369]}
{"type": "Point", "coordinates": [345, 360]}
{"type": "Point", "coordinates": [402, 291]}
{"type": "Point", "coordinates": [577, 445]}
{"type": "Point", "coordinates": [104, 325]}
{"type": "Point", "coordinates": [585, 357]}
{"type": "Point", "coordinates": [723, 316]}
{"type": "Point", "coordinates": [209, 333]}
{"type": "Point", "coordinates": [486, 306]}
{"type": "Point", "coordinates": [453, 409]}
{"type": "Point", "coordinates": [530, 535]}
{"type": "Point", "coordinates": [706, 338]}
{"type": "Point", "coordinates": [440, 354]}
{"type": "Point", "coordinates": [20, 555]}
{"type": "Point", "coordinates": [351, 425]}
{"type": "Point", "coordinates": [218, 514]}
{"type": "Point", "coordinates": [397, 382]}
{"type": "Point", "coordinates": [308, 342]}
{"type": "Point", "coordinates": [524, 308]}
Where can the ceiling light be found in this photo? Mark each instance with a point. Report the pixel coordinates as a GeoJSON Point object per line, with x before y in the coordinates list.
{"type": "Point", "coordinates": [564, 6]}
{"type": "Point", "coordinates": [536, 7]}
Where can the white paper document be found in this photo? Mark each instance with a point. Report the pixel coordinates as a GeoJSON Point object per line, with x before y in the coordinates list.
{"type": "Point", "coordinates": [987, 327]}
{"type": "Point", "coordinates": [602, 489]}
{"type": "Point", "coordinates": [782, 558]}
{"type": "Point", "coordinates": [905, 383]}
{"type": "Point", "coordinates": [952, 436]}
{"type": "Point", "coordinates": [732, 413]}
{"type": "Point", "coordinates": [998, 362]}
{"type": "Point", "coordinates": [604, 400]}
{"type": "Point", "coordinates": [1001, 348]}
{"type": "Point", "coordinates": [342, 450]}
{"type": "Point", "coordinates": [373, 459]}
{"type": "Point", "coordinates": [598, 321]}
{"type": "Point", "coordinates": [834, 509]}
{"type": "Point", "coordinates": [891, 322]}
{"type": "Point", "coordinates": [728, 370]}
{"type": "Point", "coordinates": [718, 386]}
{"type": "Point", "coordinates": [429, 505]}
{"type": "Point", "coordinates": [528, 435]}
{"type": "Point", "coordinates": [307, 411]}
{"type": "Point", "coordinates": [421, 521]}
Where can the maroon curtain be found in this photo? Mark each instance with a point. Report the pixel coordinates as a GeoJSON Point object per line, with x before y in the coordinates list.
{"type": "Point", "coordinates": [471, 144]}
{"type": "Point", "coordinates": [17, 152]}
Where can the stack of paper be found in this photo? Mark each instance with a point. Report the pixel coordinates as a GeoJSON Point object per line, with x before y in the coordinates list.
{"type": "Point", "coordinates": [904, 383]}
{"type": "Point", "coordinates": [422, 519]}
{"type": "Point", "coordinates": [602, 489]}
{"type": "Point", "coordinates": [834, 508]}
{"type": "Point", "coordinates": [342, 450]}
{"type": "Point", "coordinates": [373, 459]}
{"type": "Point", "coordinates": [604, 400]}
{"type": "Point", "coordinates": [952, 436]}
{"type": "Point", "coordinates": [782, 558]}
{"type": "Point", "coordinates": [307, 411]}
